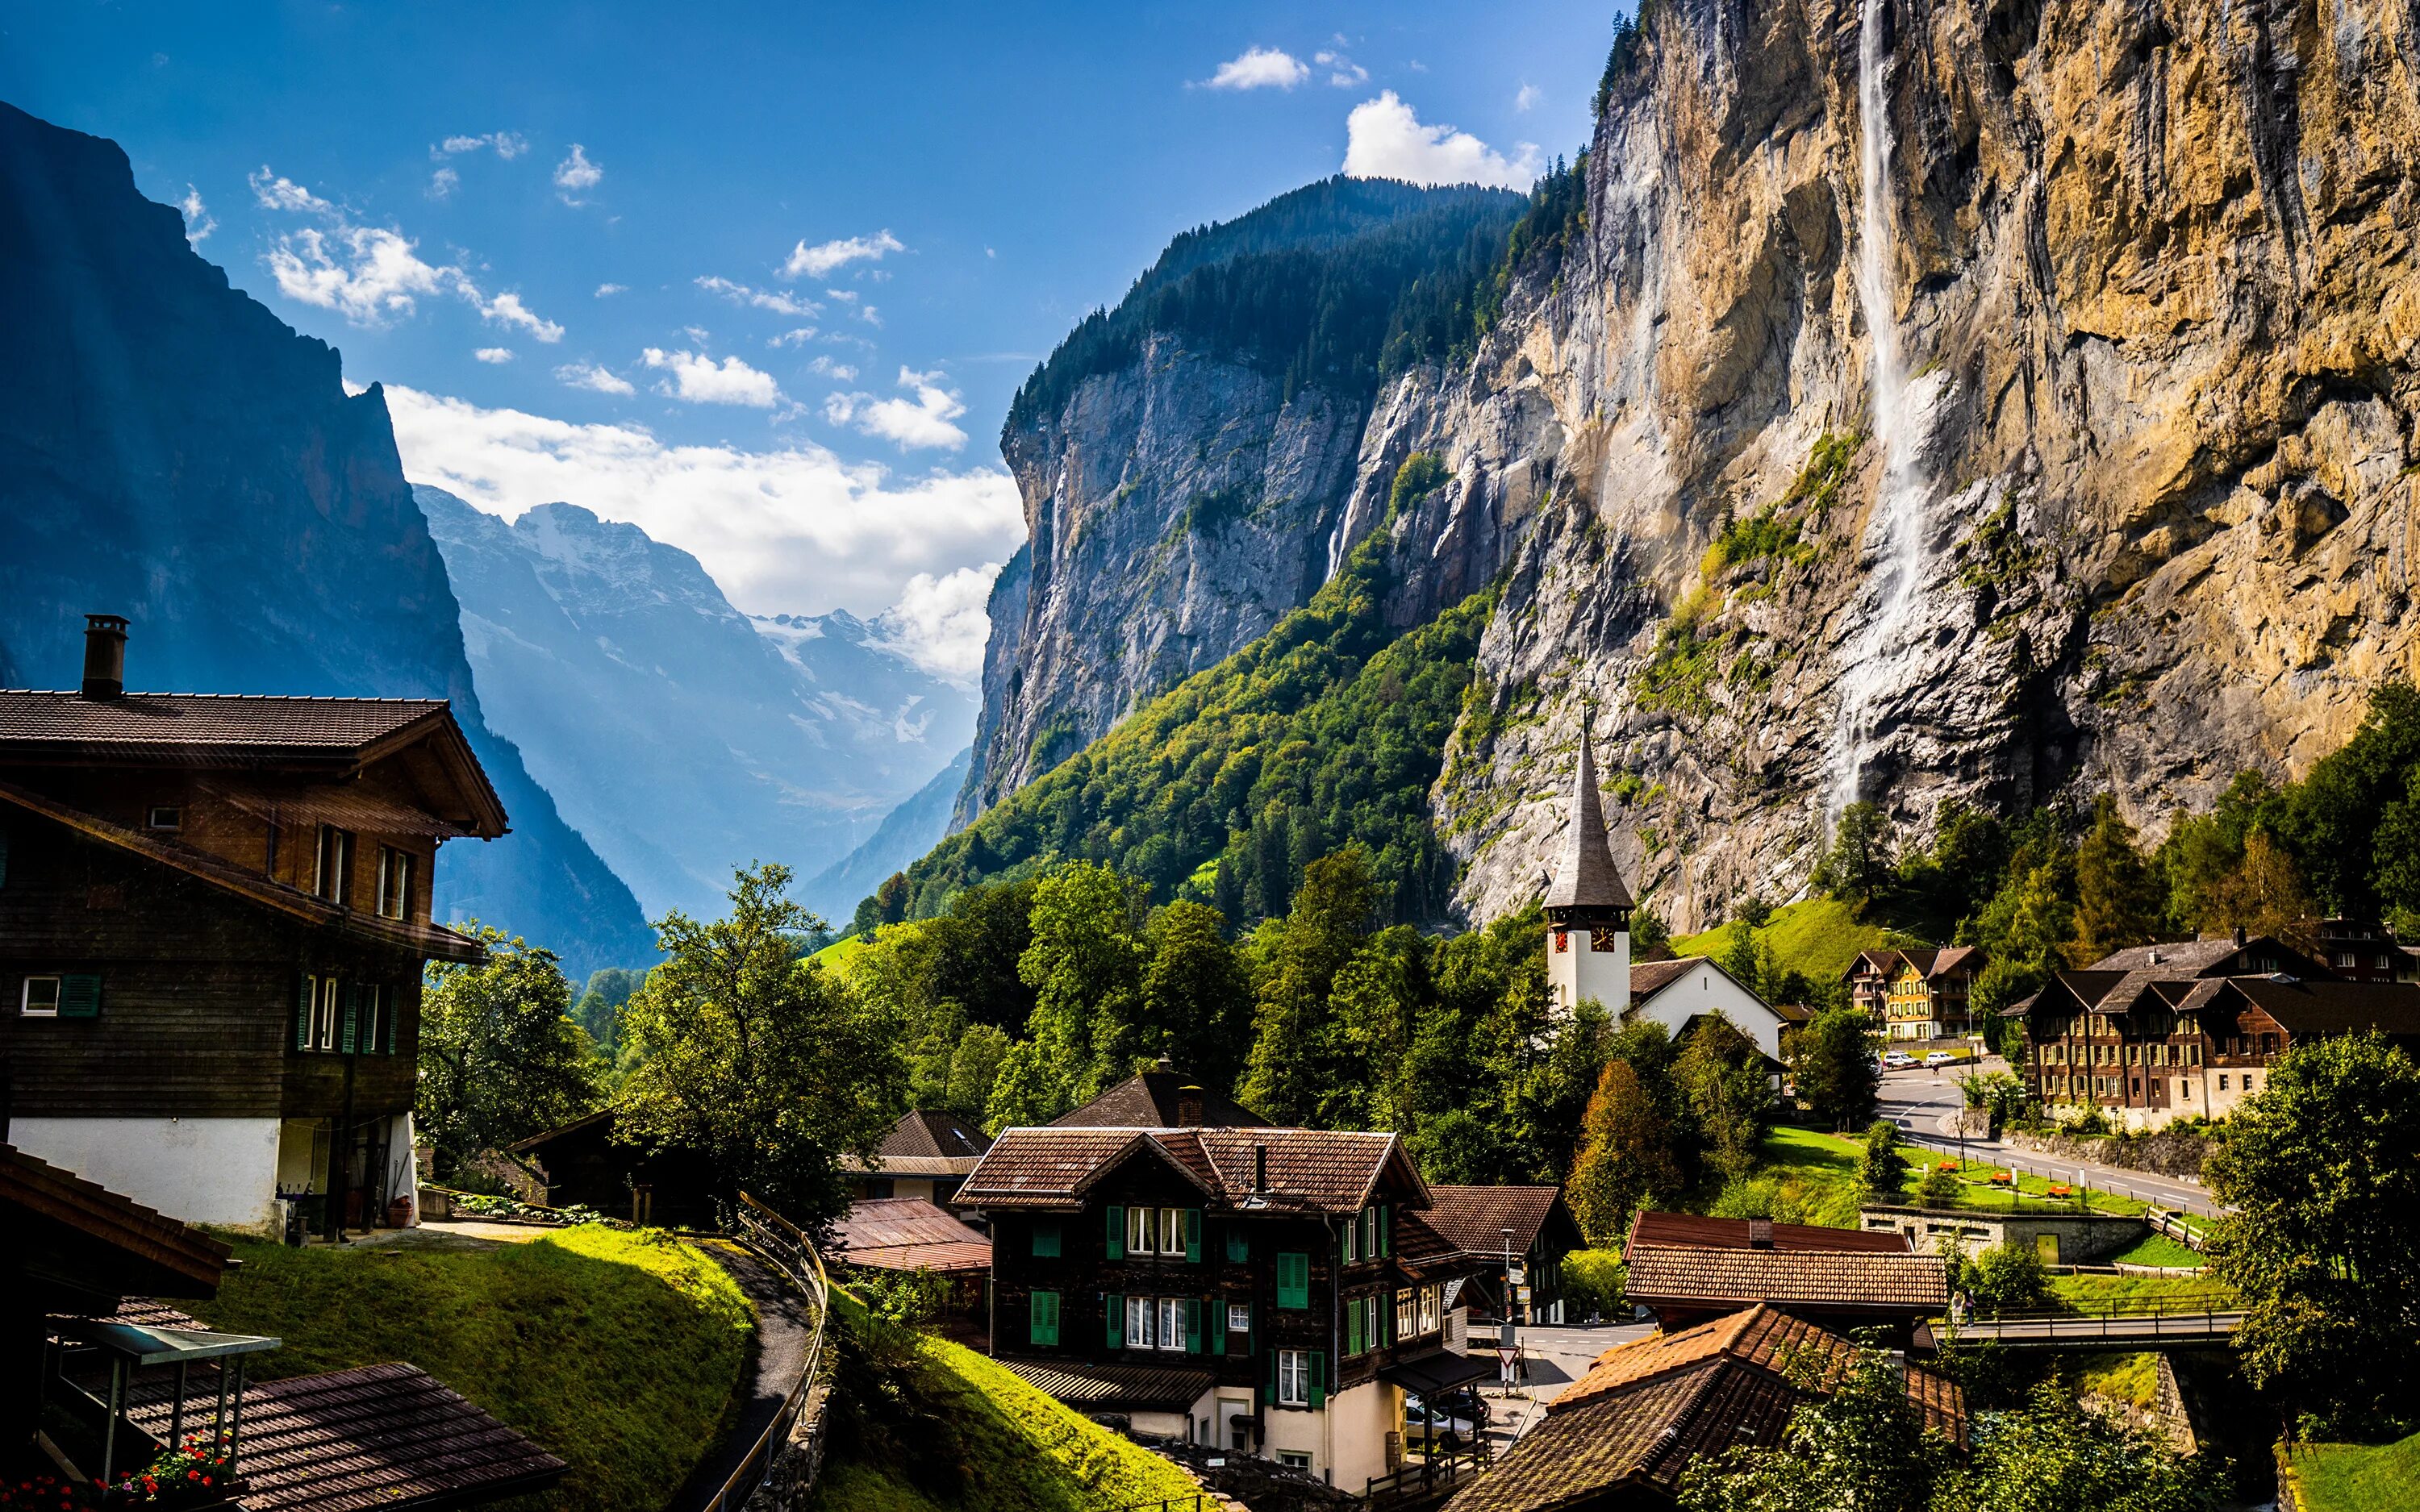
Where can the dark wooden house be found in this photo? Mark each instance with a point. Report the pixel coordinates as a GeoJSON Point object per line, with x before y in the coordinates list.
{"type": "Point", "coordinates": [214, 913]}
{"type": "Point", "coordinates": [1528, 1228]}
{"type": "Point", "coordinates": [925, 1155]}
{"type": "Point", "coordinates": [1259, 1289]}
{"type": "Point", "coordinates": [584, 1165]}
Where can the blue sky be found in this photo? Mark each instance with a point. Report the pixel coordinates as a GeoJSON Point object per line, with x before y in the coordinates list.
{"type": "Point", "coordinates": [762, 279]}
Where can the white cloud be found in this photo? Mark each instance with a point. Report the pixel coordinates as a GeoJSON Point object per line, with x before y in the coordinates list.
{"type": "Point", "coordinates": [279, 193]}
{"type": "Point", "coordinates": [697, 380]}
{"type": "Point", "coordinates": [870, 315]}
{"type": "Point", "coordinates": [1342, 71]}
{"type": "Point", "coordinates": [494, 356]}
{"type": "Point", "coordinates": [1384, 139]}
{"type": "Point", "coordinates": [506, 145]}
{"type": "Point", "coordinates": [1526, 99]}
{"type": "Point", "coordinates": [606, 291]}
{"type": "Point", "coordinates": [1260, 67]}
{"type": "Point", "coordinates": [795, 529]}
{"type": "Point", "coordinates": [819, 260]}
{"type": "Point", "coordinates": [593, 378]}
{"type": "Point", "coordinates": [916, 422]}
{"type": "Point", "coordinates": [575, 175]}
{"type": "Point", "coordinates": [773, 299]}
{"type": "Point", "coordinates": [198, 224]}
{"type": "Point", "coordinates": [797, 336]}
{"type": "Point", "coordinates": [508, 310]}
{"type": "Point", "coordinates": [841, 371]}
{"type": "Point", "coordinates": [940, 624]}
{"type": "Point", "coordinates": [443, 183]}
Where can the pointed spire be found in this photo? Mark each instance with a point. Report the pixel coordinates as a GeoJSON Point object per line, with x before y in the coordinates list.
{"type": "Point", "coordinates": [1587, 877]}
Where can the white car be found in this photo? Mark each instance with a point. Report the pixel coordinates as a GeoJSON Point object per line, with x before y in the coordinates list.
{"type": "Point", "coordinates": [1897, 1060]}
{"type": "Point", "coordinates": [1940, 1058]}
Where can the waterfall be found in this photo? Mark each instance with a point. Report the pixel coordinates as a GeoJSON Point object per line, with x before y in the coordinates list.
{"type": "Point", "coordinates": [1897, 529]}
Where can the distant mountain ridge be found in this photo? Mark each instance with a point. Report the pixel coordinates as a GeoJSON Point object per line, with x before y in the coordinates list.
{"type": "Point", "coordinates": [684, 738]}
{"type": "Point", "coordinates": [173, 451]}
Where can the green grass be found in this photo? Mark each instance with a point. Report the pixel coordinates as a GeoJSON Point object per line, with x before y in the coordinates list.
{"type": "Point", "coordinates": [1814, 1179]}
{"type": "Point", "coordinates": [834, 956]}
{"type": "Point", "coordinates": [1008, 1446]}
{"type": "Point", "coordinates": [618, 1351]}
{"type": "Point", "coordinates": [2157, 1249]}
{"type": "Point", "coordinates": [2131, 1379]}
{"type": "Point", "coordinates": [1819, 937]}
{"type": "Point", "coordinates": [2358, 1477]}
{"type": "Point", "coordinates": [2100, 1293]}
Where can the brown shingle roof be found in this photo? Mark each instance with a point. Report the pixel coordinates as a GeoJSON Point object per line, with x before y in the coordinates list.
{"type": "Point", "coordinates": [1316, 1170]}
{"type": "Point", "coordinates": [1150, 1101]}
{"type": "Point", "coordinates": [883, 1223]}
{"type": "Point", "coordinates": [1761, 1335]}
{"type": "Point", "coordinates": [1475, 1217]}
{"type": "Point", "coordinates": [2187, 958]}
{"type": "Point", "coordinates": [1648, 978]}
{"type": "Point", "coordinates": [2324, 1007]}
{"type": "Point", "coordinates": [934, 1133]}
{"type": "Point", "coordinates": [1586, 876]}
{"type": "Point", "coordinates": [202, 729]}
{"type": "Point", "coordinates": [1917, 1285]}
{"type": "Point", "coordinates": [1740, 1233]}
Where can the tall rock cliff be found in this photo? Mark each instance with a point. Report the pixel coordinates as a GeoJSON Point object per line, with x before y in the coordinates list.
{"type": "Point", "coordinates": [682, 737]}
{"type": "Point", "coordinates": [1977, 399]}
{"type": "Point", "coordinates": [171, 450]}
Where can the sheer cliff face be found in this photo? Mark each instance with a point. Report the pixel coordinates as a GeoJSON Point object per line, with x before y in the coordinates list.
{"type": "Point", "coordinates": [2149, 269]}
{"type": "Point", "coordinates": [171, 450]}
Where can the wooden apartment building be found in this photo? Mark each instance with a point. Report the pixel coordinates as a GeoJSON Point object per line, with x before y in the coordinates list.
{"type": "Point", "coordinates": [214, 913]}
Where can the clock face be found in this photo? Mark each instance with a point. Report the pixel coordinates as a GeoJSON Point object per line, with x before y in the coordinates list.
{"type": "Point", "coordinates": [1604, 939]}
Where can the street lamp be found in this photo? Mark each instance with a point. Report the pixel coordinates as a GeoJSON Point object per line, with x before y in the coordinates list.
{"type": "Point", "coordinates": [1507, 1340]}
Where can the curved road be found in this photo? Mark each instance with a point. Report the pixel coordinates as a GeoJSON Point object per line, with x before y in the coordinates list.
{"type": "Point", "coordinates": [784, 1324]}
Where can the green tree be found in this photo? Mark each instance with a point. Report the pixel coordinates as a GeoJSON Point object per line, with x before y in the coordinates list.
{"type": "Point", "coordinates": [1859, 1446]}
{"type": "Point", "coordinates": [2053, 1454]}
{"type": "Point", "coordinates": [2333, 816]}
{"type": "Point", "coordinates": [1722, 1075]}
{"type": "Point", "coordinates": [974, 1068]}
{"type": "Point", "coordinates": [598, 1009]}
{"type": "Point", "coordinates": [500, 1059]}
{"type": "Point", "coordinates": [1627, 1160]}
{"type": "Point", "coordinates": [1197, 996]}
{"type": "Point", "coordinates": [1085, 965]}
{"type": "Point", "coordinates": [2323, 1241]}
{"type": "Point", "coordinates": [2263, 894]}
{"type": "Point", "coordinates": [2119, 900]}
{"type": "Point", "coordinates": [1857, 866]}
{"type": "Point", "coordinates": [1833, 1066]}
{"type": "Point", "coordinates": [766, 1064]}
{"type": "Point", "coordinates": [1882, 1170]}
{"type": "Point", "coordinates": [1290, 1067]}
{"type": "Point", "coordinates": [2006, 1278]}
{"type": "Point", "coordinates": [1376, 1008]}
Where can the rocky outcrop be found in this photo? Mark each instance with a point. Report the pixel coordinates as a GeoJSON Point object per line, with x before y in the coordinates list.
{"type": "Point", "coordinates": [171, 450]}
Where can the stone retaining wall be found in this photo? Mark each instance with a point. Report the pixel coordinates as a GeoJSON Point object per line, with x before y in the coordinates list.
{"type": "Point", "coordinates": [2172, 1152]}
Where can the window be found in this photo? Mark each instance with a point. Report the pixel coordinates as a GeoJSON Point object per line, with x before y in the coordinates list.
{"type": "Point", "coordinates": [1139, 1231]}
{"type": "Point", "coordinates": [1042, 1319]}
{"type": "Point", "coordinates": [40, 999]}
{"type": "Point", "coordinates": [378, 1019]}
{"type": "Point", "coordinates": [2247, 1081]}
{"type": "Point", "coordinates": [1294, 1459]}
{"type": "Point", "coordinates": [331, 877]}
{"type": "Point", "coordinates": [1294, 1282]}
{"type": "Point", "coordinates": [395, 882]}
{"type": "Point", "coordinates": [1172, 1331]}
{"type": "Point", "coordinates": [1171, 1231]}
{"type": "Point", "coordinates": [164, 816]}
{"type": "Point", "coordinates": [1407, 1314]}
{"type": "Point", "coordinates": [2344, 960]}
{"type": "Point", "coordinates": [2222, 1081]}
{"type": "Point", "coordinates": [1239, 1318]}
{"type": "Point", "coordinates": [1351, 1242]}
{"type": "Point", "coordinates": [1045, 1237]}
{"type": "Point", "coordinates": [1139, 1320]}
{"type": "Point", "coordinates": [1293, 1378]}
{"type": "Point", "coordinates": [1432, 1308]}
{"type": "Point", "coordinates": [320, 1013]}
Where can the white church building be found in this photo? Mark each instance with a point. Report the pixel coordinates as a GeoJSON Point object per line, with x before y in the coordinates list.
{"type": "Point", "coordinates": [1588, 941]}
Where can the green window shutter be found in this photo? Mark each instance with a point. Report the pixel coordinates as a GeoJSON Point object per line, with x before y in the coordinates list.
{"type": "Point", "coordinates": [1318, 1377]}
{"type": "Point", "coordinates": [1193, 1325]}
{"type": "Point", "coordinates": [1117, 1233]}
{"type": "Point", "coordinates": [352, 1012]}
{"type": "Point", "coordinates": [1042, 1318]}
{"type": "Point", "coordinates": [1046, 1238]}
{"type": "Point", "coordinates": [394, 1010]}
{"type": "Point", "coordinates": [1270, 1392]}
{"type": "Point", "coordinates": [1386, 1231]}
{"type": "Point", "coordinates": [79, 996]}
{"type": "Point", "coordinates": [1117, 1321]}
{"type": "Point", "coordinates": [1239, 1244]}
{"type": "Point", "coordinates": [1294, 1281]}
{"type": "Point", "coordinates": [1354, 1343]}
{"type": "Point", "coordinates": [303, 1014]}
{"type": "Point", "coordinates": [1193, 1236]}
{"type": "Point", "coordinates": [1217, 1315]}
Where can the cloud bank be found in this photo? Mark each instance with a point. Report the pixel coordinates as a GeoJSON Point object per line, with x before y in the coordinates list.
{"type": "Point", "coordinates": [1384, 139]}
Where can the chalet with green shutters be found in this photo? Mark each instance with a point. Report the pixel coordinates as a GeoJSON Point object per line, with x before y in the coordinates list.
{"type": "Point", "coordinates": [1270, 1290]}
{"type": "Point", "coordinates": [215, 915]}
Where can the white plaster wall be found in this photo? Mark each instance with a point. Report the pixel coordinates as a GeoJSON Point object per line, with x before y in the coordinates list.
{"type": "Point", "coordinates": [1160, 1424]}
{"type": "Point", "coordinates": [201, 1170]}
{"type": "Point", "coordinates": [1361, 1419]}
{"type": "Point", "coordinates": [399, 1145]}
{"type": "Point", "coordinates": [1297, 1430]}
{"type": "Point", "coordinates": [1703, 989]}
{"type": "Point", "coordinates": [1579, 971]}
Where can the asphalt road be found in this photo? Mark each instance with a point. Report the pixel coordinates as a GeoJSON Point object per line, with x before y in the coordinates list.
{"type": "Point", "coordinates": [1921, 1102]}
{"type": "Point", "coordinates": [1556, 1357]}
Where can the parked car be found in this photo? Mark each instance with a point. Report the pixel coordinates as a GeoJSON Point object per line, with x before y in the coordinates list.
{"type": "Point", "coordinates": [1940, 1058]}
{"type": "Point", "coordinates": [1897, 1060]}
{"type": "Point", "coordinates": [1453, 1430]}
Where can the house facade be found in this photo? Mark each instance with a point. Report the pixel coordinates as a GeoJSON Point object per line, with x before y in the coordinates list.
{"type": "Point", "coordinates": [215, 915]}
{"type": "Point", "coordinates": [1683, 991]}
{"type": "Point", "coordinates": [1263, 1289]}
{"type": "Point", "coordinates": [1923, 994]}
{"type": "Point", "coordinates": [925, 1155]}
{"type": "Point", "coordinates": [1528, 1228]}
{"type": "Point", "coordinates": [2190, 1030]}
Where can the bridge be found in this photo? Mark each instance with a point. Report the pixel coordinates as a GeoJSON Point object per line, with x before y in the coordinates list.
{"type": "Point", "coordinates": [2144, 1328]}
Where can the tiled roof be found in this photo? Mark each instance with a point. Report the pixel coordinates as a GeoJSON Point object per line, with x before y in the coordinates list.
{"type": "Point", "coordinates": [2178, 958]}
{"type": "Point", "coordinates": [1314, 1169]}
{"type": "Point", "coordinates": [1761, 1335]}
{"type": "Point", "coordinates": [1648, 978]}
{"type": "Point", "coordinates": [194, 727]}
{"type": "Point", "coordinates": [971, 1255]}
{"type": "Point", "coordinates": [1740, 1233]}
{"type": "Point", "coordinates": [138, 1242]}
{"type": "Point", "coordinates": [908, 1234]}
{"type": "Point", "coordinates": [1151, 1100]}
{"type": "Point", "coordinates": [1106, 1387]}
{"type": "Point", "coordinates": [1475, 1217]}
{"type": "Point", "coordinates": [2322, 1008]}
{"type": "Point", "coordinates": [380, 1436]}
{"type": "Point", "coordinates": [1586, 877]}
{"type": "Point", "coordinates": [1914, 1284]}
{"type": "Point", "coordinates": [934, 1133]}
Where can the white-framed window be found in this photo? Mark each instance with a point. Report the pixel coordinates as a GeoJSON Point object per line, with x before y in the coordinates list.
{"type": "Point", "coordinates": [1294, 1380]}
{"type": "Point", "coordinates": [395, 882]}
{"type": "Point", "coordinates": [1171, 1231]}
{"type": "Point", "coordinates": [1432, 1308]}
{"type": "Point", "coordinates": [1171, 1323]}
{"type": "Point", "coordinates": [1407, 1314]}
{"type": "Point", "coordinates": [331, 876]}
{"type": "Point", "coordinates": [164, 816]}
{"type": "Point", "coordinates": [1294, 1459]}
{"type": "Point", "coordinates": [377, 1003]}
{"type": "Point", "coordinates": [40, 999]}
{"type": "Point", "coordinates": [1139, 1315]}
{"type": "Point", "coordinates": [1141, 1233]}
{"type": "Point", "coordinates": [1239, 1318]}
{"type": "Point", "coordinates": [321, 1034]}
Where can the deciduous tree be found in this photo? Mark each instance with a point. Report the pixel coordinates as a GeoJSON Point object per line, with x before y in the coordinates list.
{"type": "Point", "coordinates": [1628, 1160]}
{"type": "Point", "coordinates": [1833, 1066]}
{"type": "Point", "coordinates": [500, 1059]}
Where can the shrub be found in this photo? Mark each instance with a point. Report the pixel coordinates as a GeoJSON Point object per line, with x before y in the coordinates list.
{"type": "Point", "coordinates": [2005, 1278]}
{"type": "Point", "coordinates": [1884, 1168]}
{"type": "Point", "coordinates": [1939, 1189]}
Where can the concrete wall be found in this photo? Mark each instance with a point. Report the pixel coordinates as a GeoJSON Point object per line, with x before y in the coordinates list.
{"type": "Point", "coordinates": [2080, 1240]}
{"type": "Point", "coordinates": [201, 1170]}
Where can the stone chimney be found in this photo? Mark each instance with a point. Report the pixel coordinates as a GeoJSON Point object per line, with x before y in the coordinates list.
{"type": "Point", "coordinates": [104, 655]}
{"type": "Point", "coordinates": [1260, 1167]}
{"type": "Point", "coordinates": [1188, 1106]}
{"type": "Point", "coordinates": [2239, 934]}
{"type": "Point", "coordinates": [1760, 1233]}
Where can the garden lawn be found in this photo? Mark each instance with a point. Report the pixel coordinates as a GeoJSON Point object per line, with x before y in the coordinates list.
{"type": "Point", "coordinates": [1022, 1449]}
{"type": "Point", "coordinates": [2359, 1477]}
{"type": "Point", "coordinates": [1811, 1177]}
{"type": "Point", "coordinates": [2100, 1293]}
{"type": "Point", "coordinates": [619, 1352]}
{"type": "Point", "coordinates": [2159, 1249]}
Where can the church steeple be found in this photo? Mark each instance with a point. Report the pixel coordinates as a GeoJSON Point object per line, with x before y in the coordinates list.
{"type": "Point", "coordinates": [1586, 886]}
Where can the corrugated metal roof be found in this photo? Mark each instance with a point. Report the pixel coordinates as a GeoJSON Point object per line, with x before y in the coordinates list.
{"type": "Point", "coordinates": [1100, 1387]}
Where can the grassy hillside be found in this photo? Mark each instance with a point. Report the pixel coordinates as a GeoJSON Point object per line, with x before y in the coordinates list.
{"type": "Point", "coordinates": [618, 1351]}
{"type": "Point", "coordinates": [922, 1424]}
{"type": "Point", "coordinates": [2357, 1477]}
{"type": "Point", "coordinates": [1326, 732]}
{"type": "Point", "coordinates": [1817, 937]}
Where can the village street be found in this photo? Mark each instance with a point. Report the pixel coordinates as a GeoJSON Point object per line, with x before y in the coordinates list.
{"type": "Point", "coordinates": [1922, 1102]}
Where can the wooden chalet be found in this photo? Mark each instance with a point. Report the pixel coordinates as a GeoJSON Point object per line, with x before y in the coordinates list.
{"type": "Point", "coordinates": [214, 913]}
{"type": "Point", "coordinates": [2190, 1030]}
{"type": "Point", "coordinates": [1620, 1438]}
{"type": "Point", "coordinates": [1268, 1290]}
{"type": "Point", "coordinates": [925, 1155]}
{"type": "Point", "coordinates": [1917, 993]}
{"type": "Point", "coordinates": [905, 1235]}
{"type": "Point", "coordinates": [1529, 1230]}
{"type": "Point", "coordinates": [1687, 1270]}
